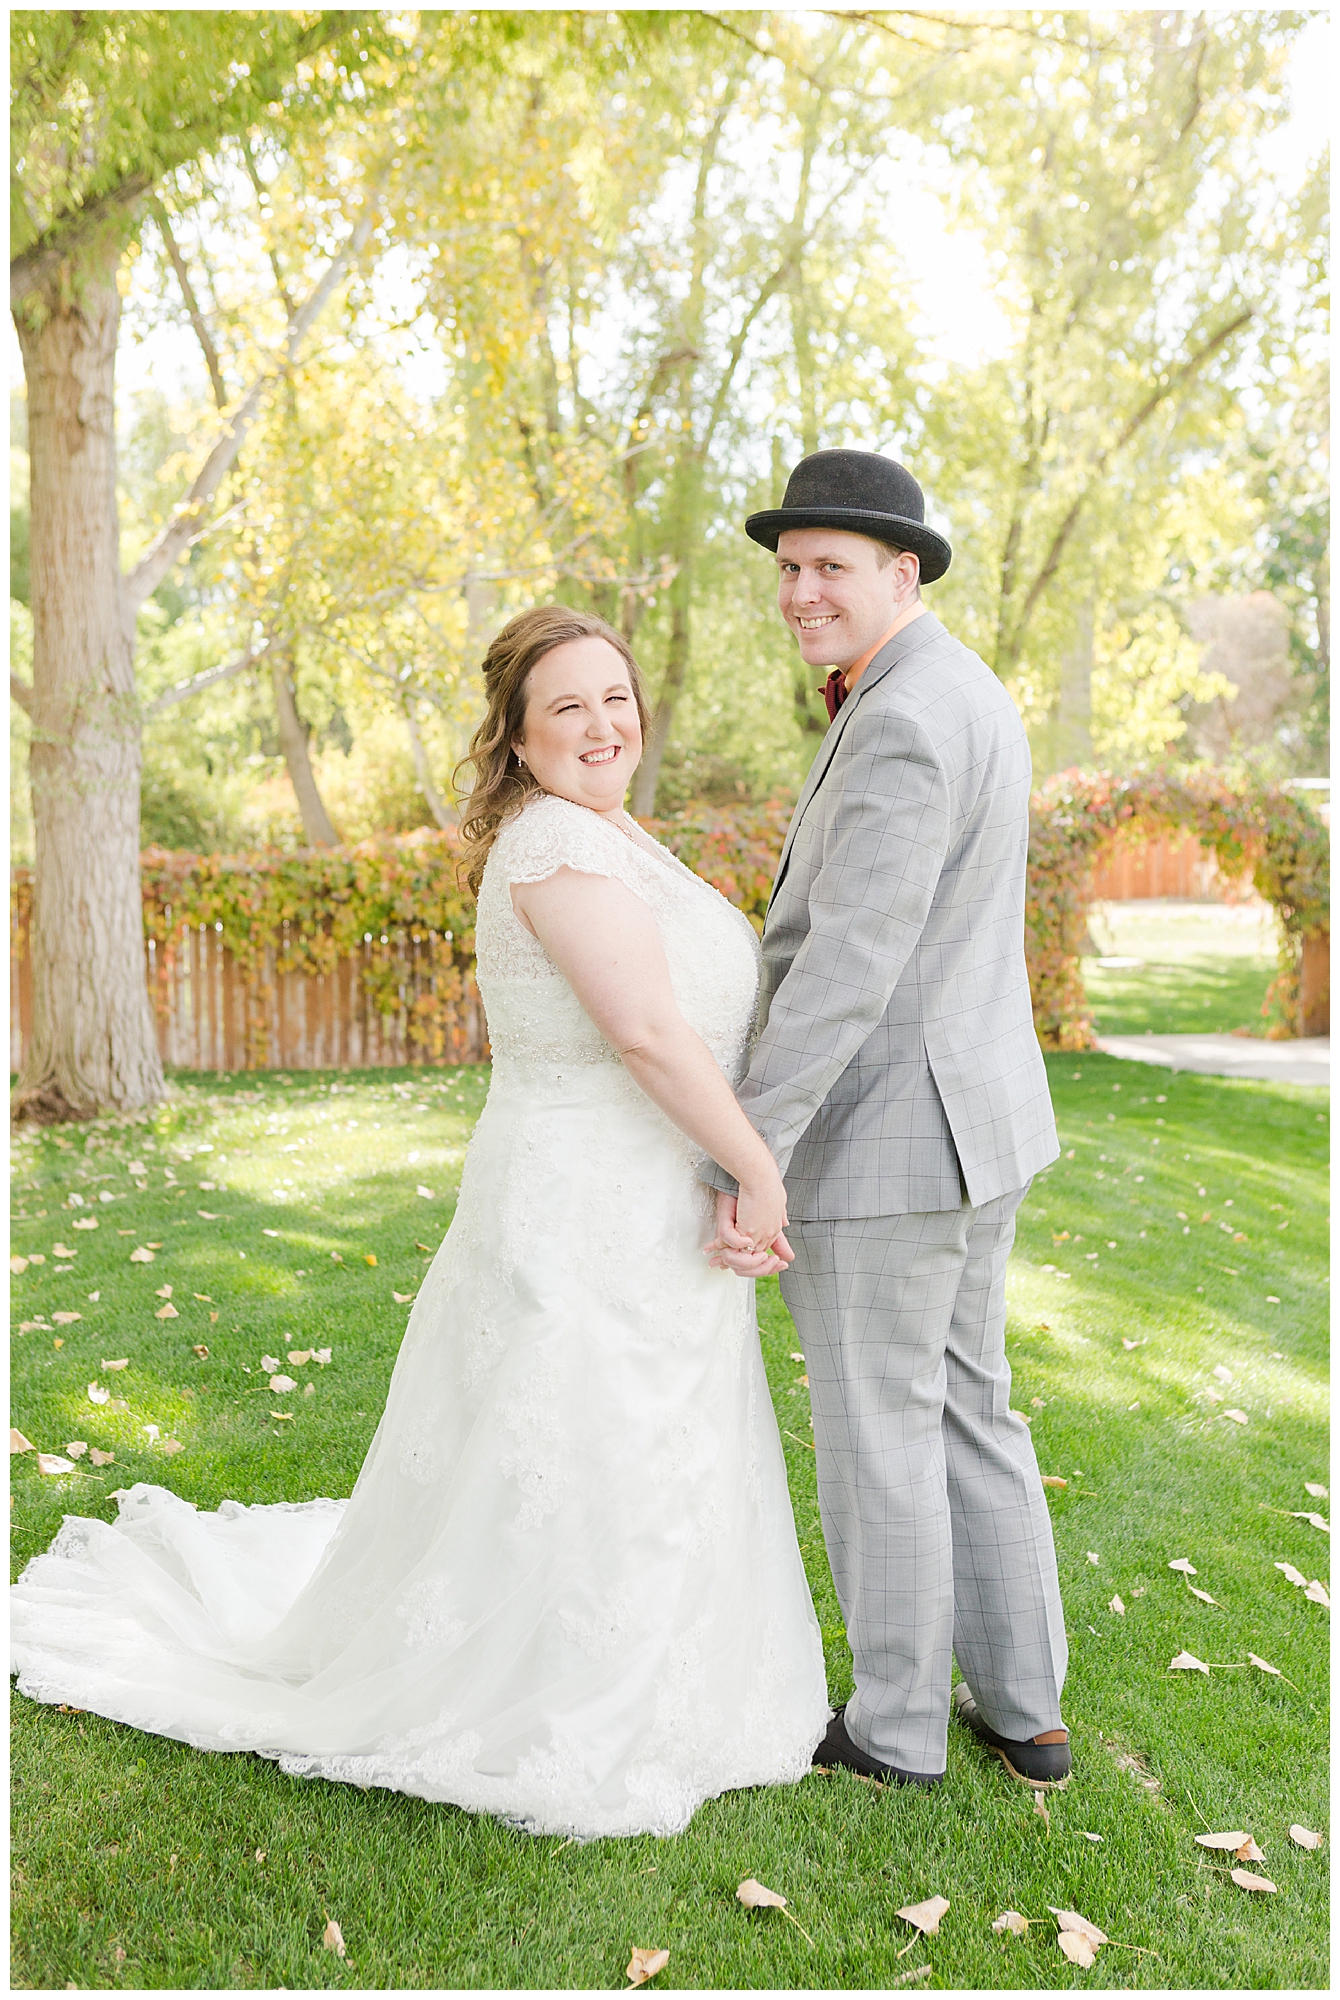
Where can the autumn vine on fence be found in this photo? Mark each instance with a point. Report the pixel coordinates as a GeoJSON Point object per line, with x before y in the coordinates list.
{"type": "Point", "coordinates": [279, 913]}
{"type": "Point", "coordinates": [1251, 827]}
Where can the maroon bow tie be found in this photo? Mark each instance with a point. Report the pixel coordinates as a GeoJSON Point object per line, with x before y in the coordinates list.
{"type": "Point", "coordinates": [835, 691]}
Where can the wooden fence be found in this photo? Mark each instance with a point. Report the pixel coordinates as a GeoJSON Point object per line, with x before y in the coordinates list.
{"type": "Point", "coordinates": [210, 1016]}
{"type": "Point", "coordinates": [1168, 867]}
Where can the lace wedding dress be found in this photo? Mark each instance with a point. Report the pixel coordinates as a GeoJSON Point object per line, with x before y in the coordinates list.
{"type": "Point", "coordinates": [566, 1588]}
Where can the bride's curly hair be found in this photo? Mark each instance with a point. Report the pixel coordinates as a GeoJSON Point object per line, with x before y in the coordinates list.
{"type": "Point", "coordinates": [501, 785]}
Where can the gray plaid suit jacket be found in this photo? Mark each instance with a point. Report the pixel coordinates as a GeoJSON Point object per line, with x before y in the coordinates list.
{"type": "Point", "coordinates": [897, 1066]}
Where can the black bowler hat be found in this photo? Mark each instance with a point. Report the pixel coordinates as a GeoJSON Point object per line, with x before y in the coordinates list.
{"type": "Point", "coordinates": [863, 493]}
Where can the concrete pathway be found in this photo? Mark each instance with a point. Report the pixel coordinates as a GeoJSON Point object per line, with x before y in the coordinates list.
{"type": "Point", "coordinates": [1307, 1060]}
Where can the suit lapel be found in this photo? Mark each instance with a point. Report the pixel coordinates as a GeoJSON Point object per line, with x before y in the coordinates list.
{"type": "Point", "coordinates": [909, 640]}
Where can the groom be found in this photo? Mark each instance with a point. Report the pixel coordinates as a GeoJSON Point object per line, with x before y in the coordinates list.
{"type": "Point", "coordinates": [898, 1082]}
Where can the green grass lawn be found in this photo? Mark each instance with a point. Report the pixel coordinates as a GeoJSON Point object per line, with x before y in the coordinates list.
{"type": "Point", "coordinates": [1198, 968]}
{"type": "Point", "coordinates": [143, 1863]}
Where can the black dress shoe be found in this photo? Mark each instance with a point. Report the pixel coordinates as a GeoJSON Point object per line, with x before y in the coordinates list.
{"type": "Point", "coordinates": [1045, 1766]}
{"type": "Point", "coordinates": [838, 1748]}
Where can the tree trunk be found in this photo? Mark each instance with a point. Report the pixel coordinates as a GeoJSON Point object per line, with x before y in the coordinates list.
{"type": "Point", "coordinates": [423, 771]}
{"type": "Point", "coordinates": [317, 826]}
{"type": "Point", "coordinates": [1074, 707]}
{"type": "Point", "coordinates": [647, 775]}
{"type": "Point", "coordinates": [93, 1045]}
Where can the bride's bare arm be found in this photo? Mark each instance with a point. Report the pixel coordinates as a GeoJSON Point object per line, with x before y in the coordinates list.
{"type": "Point", "coordinates": [604, 941]}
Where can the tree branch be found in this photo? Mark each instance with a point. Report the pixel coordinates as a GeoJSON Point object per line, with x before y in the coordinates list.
{"type": "Point", "coordinates": [1160, 394]}
{"type": "Point", "coordinates": [185, 689]}
{"type": "Point", "coordinates": [185, 524]}
{"type": "Point", "coordinates": [21, 692]}
{"type": "Point", "coordinates": [197, 318]}
{"type": "Point", "coordinates": [77, 225]}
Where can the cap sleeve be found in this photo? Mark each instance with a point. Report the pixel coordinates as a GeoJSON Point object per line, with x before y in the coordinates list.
{"type": "Point", "coordinates": [550, 833]}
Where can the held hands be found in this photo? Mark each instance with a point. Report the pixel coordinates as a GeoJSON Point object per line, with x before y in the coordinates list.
{"type": "Point", "coordinates": [748, 1239]}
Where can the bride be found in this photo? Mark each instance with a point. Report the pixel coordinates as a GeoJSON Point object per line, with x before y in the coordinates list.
{"type": "Point", "coordinates": [566, 1588]}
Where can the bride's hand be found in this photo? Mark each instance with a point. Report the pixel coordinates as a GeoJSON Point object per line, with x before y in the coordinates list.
{"type": "Point", "coordinates": [751, 1263]}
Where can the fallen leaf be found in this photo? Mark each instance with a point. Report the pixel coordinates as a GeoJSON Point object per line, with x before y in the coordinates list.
{"type": "Point", "coordinates": [213, 1316]}
{"type": "Point", "coordinates": [1317, 1492]}
{"type": "Point", "coordinates": [153, 1246]}
{"type": "Point", "coordinates": [912, 1978]}
{"type": "Point", "coordinates": [18, 1265]}
{"type": "Point", "coordinates": [427, 1193]}
{"type": "Point", "coordinates": [63, 1250]}
{"type": "Point", "coordinates": [1236, 1416]}
{"type": "Point", "coordinates": [207, 1214]}
{"type": "Point", "coordinates": [310, 1390]}
{"type": "Point", "coordinates": [1316, 1593]}
{"type": "Point", "coordinates": [18, 1442]}
{"type": "Point", "coordinates": [203, 1297]}
{"type": "Point", "coordinates": [1246, 1880]}
{"type": "Point", "coordinates": [66, 1319]}
{"type": "Point", "coordinates": [282, 1416]}
{"type": "Point", "coordinates": [425, 1249]}
{"type": "Point", "coordinates": [335, 1257]}
{"type": "Point", "coordinates": [93, 1298]}
{"type": "Point", "coordinates": [76, 1448]}
{"type": "Point", "coordinates": [163, 1292]}
{"type": "Point", "coordinates": [1249, 1851]}
{"type": "Point", "coordinates": [1117, 1606]}
{"type": "Point", "coordinates": [1131, 1345]}
{"type": "Point", "coordinates": [269, 1232]}
{"type": "Point", "coordinates": [97, 1394]}
{"type": "Point", "coordinates": [1092, 1557]}
{"type": "Point", "coordinates": [1317, 1520]}
{"type": "Point", "coordinates": [111, 1367]}
{"type": "Point", "coordinates": [404, 1298]}
{"type": "Point", "coordinates": [645, 1964]}
{"type": "Point", "coordinates": [1184, 1566]}
{"type": "Point", "coordinates": [36, 1257]}
{"type": "Point", "coordinates": [150, 1431]}
{"type": "Point", "coordinates": [50, 1461]}
{"type": "Point", "coordinates": [926, 1916]}
{"type": "Point", "coordinates": [141, 1256]}
{"type": "Point", "coordinates": [1222, 1374]}
{"type": "Point", "coordinates": [269, 1363]}
{"type": "Point", "coordinates": [369, 1259]}
{"type": "Point", "coordinates": [1077, 1948]}
{"type": "Point", "coordinates": [1265, 1666]}
{"type": "Point", "coordinates": [1052, 1479]}
{"type": "Point", "coordinates": [281, 1384]}
{"type": "Point", "coordinates": [300, 1356]}
{"type": "Point", "coordinates": [321, 1355]}
{"type": "Point", "coordinates": [97, 1457]}
{"type": "Point", "coordinates": [1011, 1921]}
{"type": "Point", "coordinates": [1303, 1836]}
{"type": "Point", "coordinates": [755, 1897]}
{"type": "Point", "coordinates": [167, 1312]}
{"type": "Point", "coordinates": [1071, 1923]}
{"type": "Point", "coordinates": [1294, 1576]}
{"type": "Point", "coordinates": [1203, 1595]}
{"type": "Point", "coordinates": [58, 1343]}
{"type": "Point", "coordinates": [172, 1444]}
{"type": "Point", "coordinates": [200, 1351]}
{"type": "Point", "coordinates": [332, 1937]}
{"type": "Point", "coordinates": [1096, 1838]}
{"type": "Point", "coordinates": [86, 1222]}
{"type": "Point", "coordinates": [261, 1853]}
{"type": "Point", "coordinates": [1189, 1661]}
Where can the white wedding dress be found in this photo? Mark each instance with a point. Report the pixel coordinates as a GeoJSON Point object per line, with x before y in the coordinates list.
{"type": "Point", "coordinates": [566, 1588]}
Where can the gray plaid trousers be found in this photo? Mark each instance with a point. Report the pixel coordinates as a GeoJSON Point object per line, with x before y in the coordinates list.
{"type": "Point", "coordinates": [933, 1509]}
